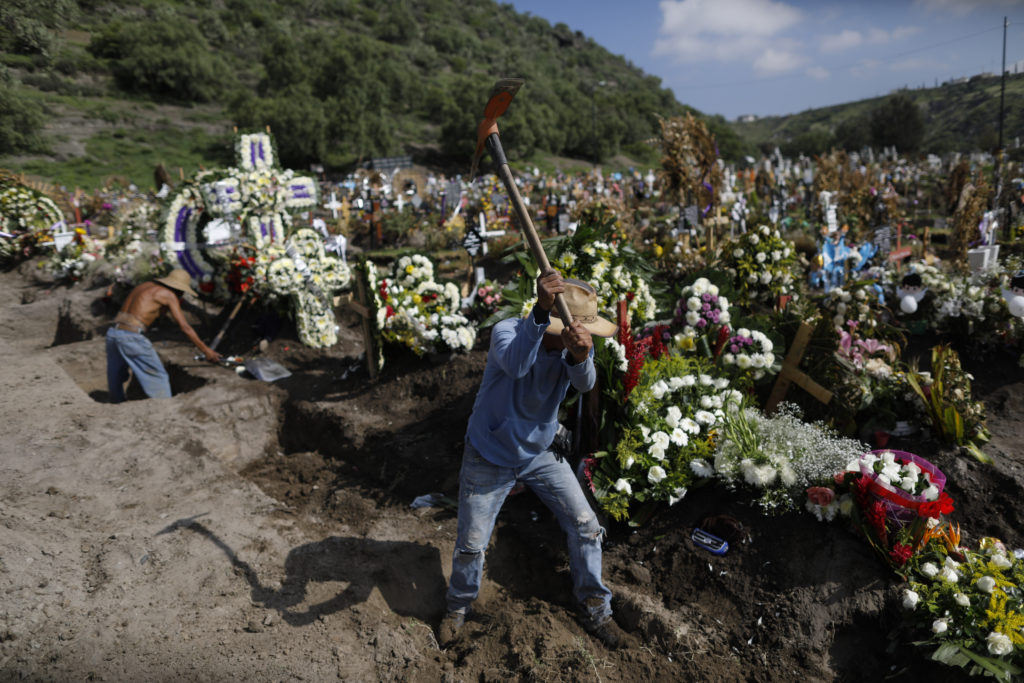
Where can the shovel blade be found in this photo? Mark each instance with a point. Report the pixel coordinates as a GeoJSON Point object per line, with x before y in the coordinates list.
{"type": "Point", "coordinates": [501, 96]}
{"type": "Point", "coordinates": [266, 370]}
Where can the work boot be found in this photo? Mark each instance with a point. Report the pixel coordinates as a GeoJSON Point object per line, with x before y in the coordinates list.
{"type": "Point", "coordinates": [449, 628]}
{"type": "Point", "coordinates": [613, 637]}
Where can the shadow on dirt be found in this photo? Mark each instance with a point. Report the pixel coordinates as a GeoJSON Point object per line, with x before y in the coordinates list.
{"type": "Point", "coordinates": [408, 575]}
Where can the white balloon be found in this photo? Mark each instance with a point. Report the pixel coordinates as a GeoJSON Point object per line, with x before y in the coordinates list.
{"type": "Point", "coordinates": [908, 304]}
{"type": "Point", "coordinates": [1016, 306]}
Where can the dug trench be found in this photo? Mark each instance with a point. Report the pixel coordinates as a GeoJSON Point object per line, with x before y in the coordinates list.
{"type": "Point", "coordinates": [791, 599]}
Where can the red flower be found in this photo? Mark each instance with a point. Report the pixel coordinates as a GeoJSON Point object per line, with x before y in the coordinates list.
{"type": "Point", "coordinates": [389, 311]}
{"type": "Point", "coordinates": [875, 514]}
{"type": "Point", "coordinates": [821, 495]}
{"type": "Point", "coordinates": [588, 471]}
{"type": "Point", "coordinates": [900, 553]}
{"type": "Point", "coordinates": [630, 296]}
{"type": "Point", "coordinates": [936, 508]}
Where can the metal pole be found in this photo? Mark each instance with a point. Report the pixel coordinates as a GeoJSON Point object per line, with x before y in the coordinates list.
{"type": "Point", "coordinates": [1002, 86]}
{"type": "Point", "coordinates": [999, 152]}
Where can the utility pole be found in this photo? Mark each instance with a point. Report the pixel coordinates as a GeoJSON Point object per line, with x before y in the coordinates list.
{"type": "Point", "coordinates": [1002, 86]}
{"type": "Point", "coordinates": [1003, 218]}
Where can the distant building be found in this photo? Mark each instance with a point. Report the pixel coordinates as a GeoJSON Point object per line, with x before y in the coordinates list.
{"type": "Point", "coordinates": [747, 118]}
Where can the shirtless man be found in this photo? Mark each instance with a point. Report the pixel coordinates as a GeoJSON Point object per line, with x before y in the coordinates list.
{"type": "Point", "coordinates": [127, 346]}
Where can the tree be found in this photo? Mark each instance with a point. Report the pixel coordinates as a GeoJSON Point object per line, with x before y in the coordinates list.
{"type": "Point", "coordinates": [853, 134]}
{"type": "Point", "coordinates": [296, 118]}
{"type": "Point", "coordinates": [897, 121]}
{"type": "Point", "coordinates": [20, 118]}
{"type": "Point", "coordinates": [164, 55]}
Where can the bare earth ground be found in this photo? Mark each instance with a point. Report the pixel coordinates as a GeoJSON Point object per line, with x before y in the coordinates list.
{"type": "Point", "coordinates": [244, 530]}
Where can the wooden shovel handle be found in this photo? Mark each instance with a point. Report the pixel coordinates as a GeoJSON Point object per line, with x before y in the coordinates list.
{"type": "Point", "coordinates": [536, 248]}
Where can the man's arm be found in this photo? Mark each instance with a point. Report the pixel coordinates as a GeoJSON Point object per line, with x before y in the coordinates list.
{"type": "Point", "coordinates": [170, 300]}
{"type": "Point", "coordinates": [579, 347]}
{"type": "Point", "coordinates": [515, 350]}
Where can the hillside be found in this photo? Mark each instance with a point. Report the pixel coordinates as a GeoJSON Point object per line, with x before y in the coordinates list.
{"type": "Point", "coordinates": [954, 117]}
{"type": "Point", "coordinates": [94, 88]}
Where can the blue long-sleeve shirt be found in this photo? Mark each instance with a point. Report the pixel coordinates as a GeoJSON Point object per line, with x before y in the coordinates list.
{"type": "Point", "coordinates": [515, 415]}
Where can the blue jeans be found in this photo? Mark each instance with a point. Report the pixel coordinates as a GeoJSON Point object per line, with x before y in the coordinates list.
{"type": "Point", "coordinates": [483, 487]}
{"type": "Point", "coordinates": [132, 350]}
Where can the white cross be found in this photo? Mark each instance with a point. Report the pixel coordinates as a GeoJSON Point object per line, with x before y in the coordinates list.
{"type": "Point", "coordinates": [484, 233]}
{"type": "Point", "coordinates": [333, 205]}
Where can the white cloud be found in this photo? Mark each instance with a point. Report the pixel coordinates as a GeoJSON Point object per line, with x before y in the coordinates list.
{"type": "Point", "coordinates": [962, 7]}
{"type": "Point", "coordinates": [724, 30]}
{"type": "Point", "coordinates": [843, 40]}
{"type": "Point", "coordinates": [850, 38]}
{"type": "Point", "coordinates": [818, 73]}
{"type": "Point", "coordinates": [773, 61]}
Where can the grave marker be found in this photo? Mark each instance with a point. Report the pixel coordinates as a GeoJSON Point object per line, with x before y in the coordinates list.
{"type": "Point", "coordinates": [791, 373]}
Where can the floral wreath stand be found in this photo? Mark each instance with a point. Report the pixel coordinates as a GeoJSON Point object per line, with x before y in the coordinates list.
{"type": "Point", "coordinates": [256, 192]}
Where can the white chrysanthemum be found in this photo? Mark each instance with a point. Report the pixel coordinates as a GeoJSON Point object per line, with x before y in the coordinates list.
{"type": "Point", "coordinates": [659, 389]}
{"type": "Point", "coordinates": [689, 426]}
{"type": "Point", "coordinates": [656, 474]}
{"type": "Point", "coordinates": [672, 416]}
{"type": "Point", "coordinates": [702, 468]}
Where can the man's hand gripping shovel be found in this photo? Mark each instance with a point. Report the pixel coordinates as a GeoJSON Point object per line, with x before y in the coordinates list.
{"type": "Point", "coordinates": [487, 136]}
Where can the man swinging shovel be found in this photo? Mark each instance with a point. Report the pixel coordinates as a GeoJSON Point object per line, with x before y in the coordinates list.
{"type": "Point", "coordinates": [532, 362]}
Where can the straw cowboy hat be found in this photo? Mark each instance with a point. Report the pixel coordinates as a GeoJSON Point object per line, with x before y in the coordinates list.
{"type": "Point", "coordinates": [582, 301]}
{"type": "Point", "coordinates": [178, 279]}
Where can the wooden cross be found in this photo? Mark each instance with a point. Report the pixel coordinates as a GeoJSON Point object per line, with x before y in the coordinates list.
{"type": "Point", "coordinates": [361, 306]}
{"type": "Point", "coordinates": [791, 373]}
{"type": "Point", "coordinates": [77, 203]}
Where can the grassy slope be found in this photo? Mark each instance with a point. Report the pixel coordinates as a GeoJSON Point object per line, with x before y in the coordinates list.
{"type": "Point", "coordinates": [96, 131]}
{"type": "Point", "coordinates": [958, 117]}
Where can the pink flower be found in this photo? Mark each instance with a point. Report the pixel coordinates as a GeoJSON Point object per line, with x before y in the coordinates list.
{"type": "Point", "coordinates": [821, 495]}
{"type": "Point", "coordinates": [872, 345]}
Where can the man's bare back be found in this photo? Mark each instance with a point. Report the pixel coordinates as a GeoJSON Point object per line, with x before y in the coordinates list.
{"type": "Point", "coordinates": [148, 300]}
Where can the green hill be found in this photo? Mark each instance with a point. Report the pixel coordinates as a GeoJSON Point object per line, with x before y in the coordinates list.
{"type": "Point", "coordinates": [954, 117]}
{"type": "Point", "coordinates": [90, 88]}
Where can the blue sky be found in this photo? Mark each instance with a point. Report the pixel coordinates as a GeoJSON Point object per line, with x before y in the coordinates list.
{"type": "Point", "coordinates": [764, 57]}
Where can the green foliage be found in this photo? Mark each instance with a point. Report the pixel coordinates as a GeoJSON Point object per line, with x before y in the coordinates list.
{"type": "Point", "coordinates": [897, 121]}
{"type": "Point", "coordinates": [954, 415]}
{"type": "Point", "coordinates": [297, 119]}
{"type": "Point", "coordinates": [341, 81]}
{"type": "Point", "coordinates": [24, 25]}
{"type": "Point", "coordinates": [21, 117]}
{"type": "Point", "coordinates": [961, 117]}
{"type": "Point", "coordinates": [815, 141]}
{"type": "Point", "coordinates": [162, 54]}
{"type": "Point", "coordinates": [853, 134]}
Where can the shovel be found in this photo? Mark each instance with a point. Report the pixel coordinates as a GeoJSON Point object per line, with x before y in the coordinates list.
{"type": "Point", "coordinates": [487, 136]}
{"type": "Point", "coordinates": [263, 369]}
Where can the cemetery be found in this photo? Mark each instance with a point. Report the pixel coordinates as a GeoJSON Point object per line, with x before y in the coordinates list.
{"type": "Point", "coordinates": [801, 448]}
